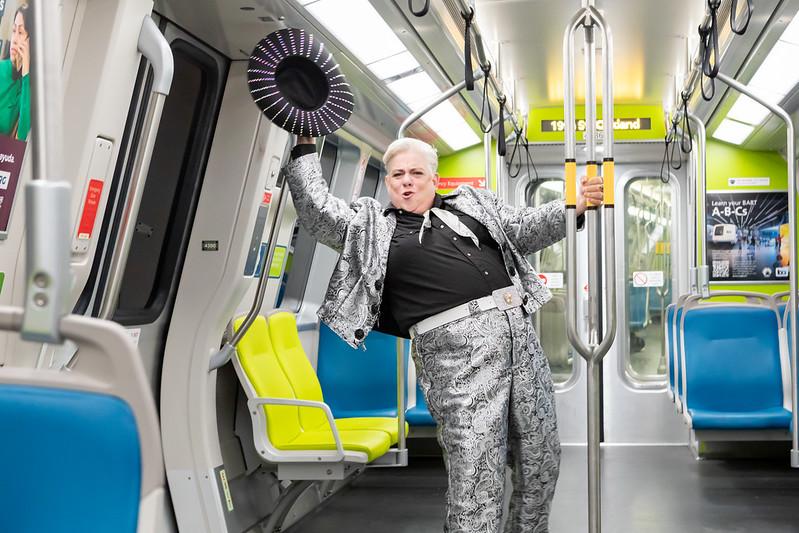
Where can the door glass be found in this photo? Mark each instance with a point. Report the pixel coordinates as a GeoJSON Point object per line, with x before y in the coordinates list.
{"type": "Point", "coordinates": [301, 249]}
{"type": "Point", "coordinates": [648, 273]}
{"type": "Point", "coordinates": [551, 318]}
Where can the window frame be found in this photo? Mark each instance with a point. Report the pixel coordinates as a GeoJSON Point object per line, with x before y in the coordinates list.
{"type": "Point", "coordinates": [627, 374]}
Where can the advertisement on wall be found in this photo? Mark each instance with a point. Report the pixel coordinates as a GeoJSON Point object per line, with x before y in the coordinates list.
{"type": "Point", "coordinates": [747, 236]}
{"type": "Point", "coordinates": [15, 97]}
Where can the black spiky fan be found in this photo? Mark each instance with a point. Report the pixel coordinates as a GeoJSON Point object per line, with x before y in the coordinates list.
{"type": "Point", "coordinates": [298, 85]}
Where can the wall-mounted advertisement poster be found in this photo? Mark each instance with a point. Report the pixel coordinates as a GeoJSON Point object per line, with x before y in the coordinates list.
{"type": "Point", "coordinates": [747, 236]}
{"type": "Point", "coordinates": [15, 100]}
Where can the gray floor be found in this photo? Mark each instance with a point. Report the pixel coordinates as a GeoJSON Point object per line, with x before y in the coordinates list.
{"type": "Point", "coordinates": [645, 489]}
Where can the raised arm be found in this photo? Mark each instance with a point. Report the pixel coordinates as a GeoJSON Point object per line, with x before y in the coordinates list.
{"type": "Point", "coordinates": [323, 215]}
{"type": "Point", "coordinates": [534, 228]}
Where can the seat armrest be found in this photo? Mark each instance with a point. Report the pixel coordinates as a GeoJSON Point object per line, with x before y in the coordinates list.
{"type": "Point", "coordinates": [254, 403]}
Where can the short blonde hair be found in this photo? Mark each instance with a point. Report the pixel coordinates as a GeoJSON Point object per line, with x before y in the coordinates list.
{"type": "Point", "coordinates": [408, 144]}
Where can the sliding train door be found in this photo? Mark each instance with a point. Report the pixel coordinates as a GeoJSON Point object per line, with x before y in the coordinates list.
{"type": "Point", "coordinates": [651, 269]}
{"type": "Point", "coordinates": [172, 188]}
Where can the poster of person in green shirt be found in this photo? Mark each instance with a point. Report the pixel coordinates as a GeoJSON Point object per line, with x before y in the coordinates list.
{"type": "Point", "coordinates": [15, 86]}
{"type": "Point", "coordinates": [15, 99]}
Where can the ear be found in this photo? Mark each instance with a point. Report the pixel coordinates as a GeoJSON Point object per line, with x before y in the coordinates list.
{"type": "Point", "coordinates": [436, 179]}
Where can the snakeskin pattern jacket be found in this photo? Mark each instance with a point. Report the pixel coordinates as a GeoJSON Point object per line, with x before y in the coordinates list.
{"type": "Point", "coordinates": [361, 232]}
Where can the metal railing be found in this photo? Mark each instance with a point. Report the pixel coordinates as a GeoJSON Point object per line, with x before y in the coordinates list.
{"type": "Point", "coordinates": [156, 49]}
{"type": "Point", "coordinates": [47, 202]}
{"type": "Point", "coordinates": [599, 342]}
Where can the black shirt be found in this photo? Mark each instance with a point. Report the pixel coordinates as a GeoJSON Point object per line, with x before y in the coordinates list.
{"type": "Point", "coordinates": [443, 271]}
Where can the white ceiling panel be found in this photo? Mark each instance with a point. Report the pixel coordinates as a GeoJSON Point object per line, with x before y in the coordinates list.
{"type": "Point", "coordinates": [650, 42]}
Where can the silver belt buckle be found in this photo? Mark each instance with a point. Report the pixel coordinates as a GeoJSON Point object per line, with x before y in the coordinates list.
{"type": "Point", "coordinates": [506, 298]}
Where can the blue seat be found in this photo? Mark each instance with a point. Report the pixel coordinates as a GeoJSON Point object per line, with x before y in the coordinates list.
{"type": "Point", "coordinates": [733, 374]}
{"type": "Point", "coordinates": [419, 415]}
{"type": "Point", "coordinates": [638, 307]}
{"type": "Point", "coordinates": [72, 461]}
{"type": "Point", "coordinates": [359, 383]}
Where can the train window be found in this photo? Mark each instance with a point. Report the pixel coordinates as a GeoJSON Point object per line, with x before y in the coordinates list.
{"type": "Point", "coordinates": [173, 185]}
{"type": "Point", "coordinates": [301, 250]}
{"type": "Point", "coordinates": [648, 219]}
{"type": "Point", "coordinates": [371, 179]}
{"type": "Point", "coordinates": [551, 319]}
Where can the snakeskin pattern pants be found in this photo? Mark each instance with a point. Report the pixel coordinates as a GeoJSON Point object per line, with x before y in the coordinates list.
{"type": "Point", "coordinates": [488, 386]}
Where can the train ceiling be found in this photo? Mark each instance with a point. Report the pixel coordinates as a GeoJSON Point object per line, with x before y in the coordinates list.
{"type": "Point", "coordinates": [652, 39]}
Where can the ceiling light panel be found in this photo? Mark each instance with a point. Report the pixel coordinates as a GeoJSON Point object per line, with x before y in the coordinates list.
{"type": "Point", "coordinates": [393, 65]}
{"type": "Point", "coordinates": [415, 90]}
{"type": "Point", "coordinates": [775, 75]}
{"type": "Point", "coordinates": [748, 111]}
{"type": "Point", "coordinates": [359, 27]}
{"type": "Point", "coordinates": [445, 120]}
{"type": "Point", "coordinates": [732, 131]}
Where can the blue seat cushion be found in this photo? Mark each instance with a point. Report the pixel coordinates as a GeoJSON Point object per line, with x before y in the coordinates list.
{"type": "Point", "coordinates": [774, 417]}
{"type": "Point", "coordinates": [419, 415]}
{"type": "Point", "coordinates": [71, 462]}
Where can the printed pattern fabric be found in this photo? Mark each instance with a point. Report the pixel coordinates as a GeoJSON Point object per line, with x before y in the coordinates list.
{"type": "Point", "coordinates": [488, 385]}
{"type": "Point", "coordinates": [361, 232]}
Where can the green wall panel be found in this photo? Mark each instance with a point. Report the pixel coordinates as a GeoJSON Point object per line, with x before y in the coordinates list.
{"type": "Point", "coordinates": [727, 161]}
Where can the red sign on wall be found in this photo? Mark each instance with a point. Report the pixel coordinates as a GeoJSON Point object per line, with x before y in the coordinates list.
{"type": "Point", "coordinates": [267, 198]}
{"type": "Point", "coordinates": [453, 183]}
{"type": "Point", "coordinates": [90, 207]}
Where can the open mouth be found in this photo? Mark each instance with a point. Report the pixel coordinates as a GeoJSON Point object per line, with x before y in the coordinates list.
{"type": "Point", "coordinates": [407, 194]}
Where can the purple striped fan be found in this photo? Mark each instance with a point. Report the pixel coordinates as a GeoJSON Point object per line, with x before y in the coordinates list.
{"type": "Point", "coordinates": [298, 85]}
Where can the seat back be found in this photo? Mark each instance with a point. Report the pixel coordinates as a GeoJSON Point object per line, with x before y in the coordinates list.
{"type": "Point", "coordinates": [732, 358]}
{"type": "Point", "coordinates": [638, 306]}
{"type": "Point", "coordinates": [296, 366]}
{"type": "Point", "coordinates": [259, 363]}
{"type": "Point", "coordinates": [82, 449]}
{"type": "Point", "coordinates": [668, 328]}
{"type": "Point", "coordinates": [359, 383]}
{"type": "Point", "coordinates": [79, 449]}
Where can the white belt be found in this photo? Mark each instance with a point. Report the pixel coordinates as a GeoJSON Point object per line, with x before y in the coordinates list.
{"type": "Point", "coordinates": [502, 299]}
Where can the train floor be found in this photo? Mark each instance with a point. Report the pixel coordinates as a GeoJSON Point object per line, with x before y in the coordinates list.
{"type": "Point", "coordinates": [649, 489]}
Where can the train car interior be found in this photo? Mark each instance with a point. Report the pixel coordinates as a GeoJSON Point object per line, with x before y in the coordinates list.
{"type": "Point", "coordinates": [163, 364]}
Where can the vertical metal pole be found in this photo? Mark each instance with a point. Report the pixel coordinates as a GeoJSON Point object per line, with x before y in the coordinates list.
{"type": "Point", "coordinates": [791, 156]}
{"type": "Point", "coordinates": [703, 274]}
{"type": "Point", "coordinates": [47, 200]}
{"type": "Point", "coordinates": [592, 214]}
{"type": "Point", "coordinates": [401, 401]}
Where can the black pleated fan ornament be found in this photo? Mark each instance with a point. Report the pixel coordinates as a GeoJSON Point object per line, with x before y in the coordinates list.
{"type": "Point", "coordinates": [298, 85]}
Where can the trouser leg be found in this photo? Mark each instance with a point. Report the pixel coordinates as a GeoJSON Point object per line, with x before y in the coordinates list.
{"type": "Point", "coordinates": [534, 445]}
{"type": "Point", "coordinates": [464, 371]}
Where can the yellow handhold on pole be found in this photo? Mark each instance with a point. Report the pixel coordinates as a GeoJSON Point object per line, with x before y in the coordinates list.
{"type": "Point", "coordinates": [608, 173]}
{"type": "Point", "coordinates": [571, 184]}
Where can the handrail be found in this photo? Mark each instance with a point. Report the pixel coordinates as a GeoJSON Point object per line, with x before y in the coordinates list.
{"type": "Point", "coordinates": [791, 157]}
{"type": "Point", "coordinates": [47, 203]}
{"type": "Point", "coordinates": [221, 357]}
{"type": "Point", "coordinates": [599, 343]}
{"type": "Point", "coordinates": [446, 95]}
{"type": "Point", "coordinates": [156, 49]}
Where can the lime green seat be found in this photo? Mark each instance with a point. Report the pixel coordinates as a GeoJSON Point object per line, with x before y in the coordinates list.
{"type": "Point", "coordinates": [301, 375]}
{"type": "Point", "coordinates": [289, 427]}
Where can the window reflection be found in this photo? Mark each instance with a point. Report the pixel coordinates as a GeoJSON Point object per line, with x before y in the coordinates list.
{"type": "Point", "coordinates": [648, 221]}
